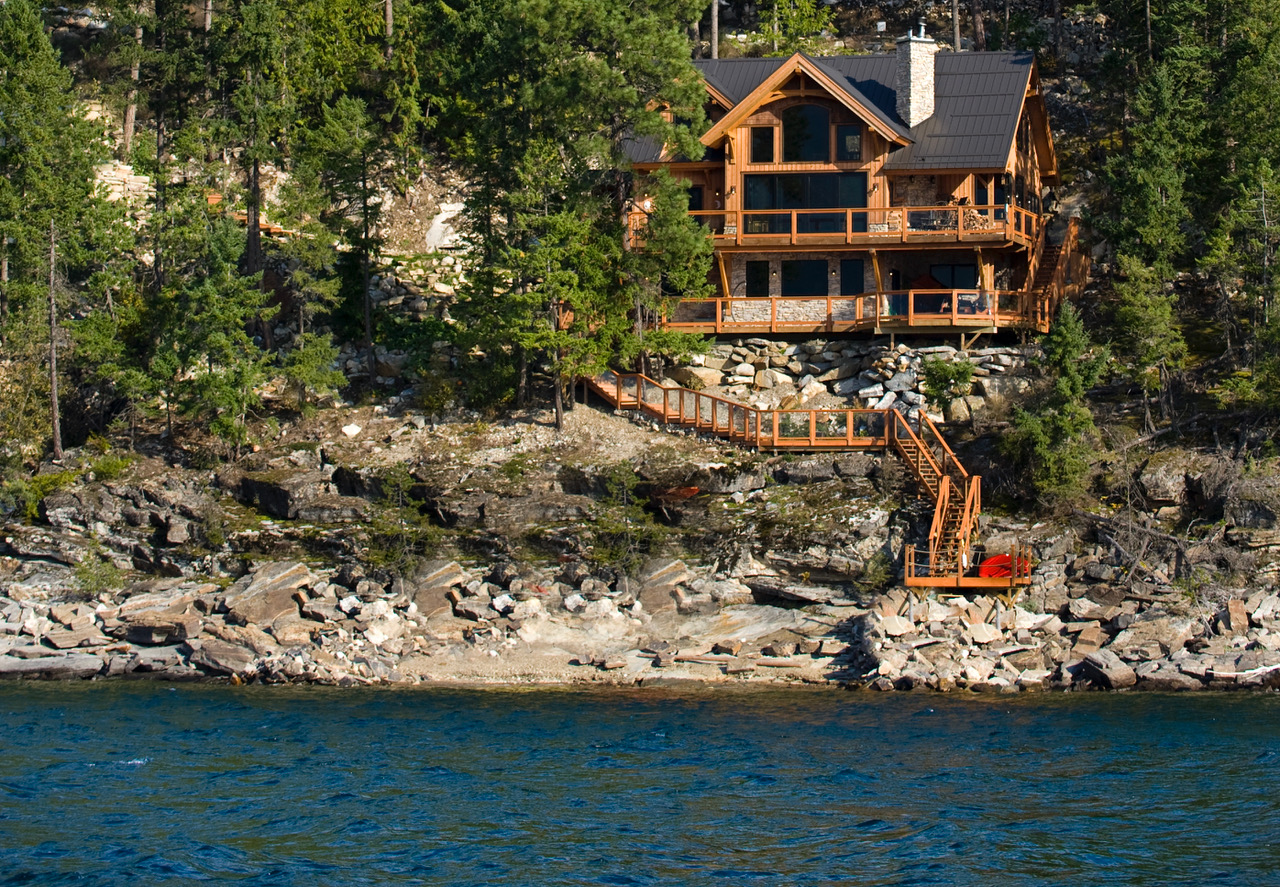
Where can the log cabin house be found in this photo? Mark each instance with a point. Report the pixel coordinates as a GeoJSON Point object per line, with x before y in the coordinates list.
{"type": "Point", "coordinates": [889, 193]}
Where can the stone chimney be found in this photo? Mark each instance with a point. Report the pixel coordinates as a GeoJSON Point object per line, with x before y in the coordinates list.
{"type": "Point", "coordinates": [915, 77]}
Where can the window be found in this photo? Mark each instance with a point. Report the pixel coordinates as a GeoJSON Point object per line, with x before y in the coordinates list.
{"type": "Point", "coordinates": [955, 276]}
{"type": "Point", "coordinates": [757, 278]}
{"type": "Point", "coordinates": [806, 135]}
{"type": "Point", "coordinates": [762, 144]}
{"type": "Point", "coordinates": [804, 277]}
{"type": "Point", "coordinates": [852, 279]}
{"type": "Point", "coordinates": [695, 198]}
{"type": "Point", "coordinates": [806, 191]}
{"type": "Point", "coordinates": [980, 193]}
{"type": "Point", "coordinates": [849, 142]}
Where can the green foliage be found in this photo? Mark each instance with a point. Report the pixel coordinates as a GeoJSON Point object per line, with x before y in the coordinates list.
{"type": "Point", "coordinates": [110, 466]}
{"type": "Point", "coordinates": [794, 25]}
{"type": "Point", "coordinates": [23, 494]}
{"type": "Point", "coordinates": [623, 532]}
{"type": "Point", "coordinates": [309, 366]}
{"type": "Point", "coordinates": [399, 531]}
{"type": "Point", "coordinates": [945, 380]}
{"type": "Point", "coordinates": [1051, 442]}
{"type": "Point", "coordinates": [97, 573]}
{"type": "Point", "coordinates": [547, 152]}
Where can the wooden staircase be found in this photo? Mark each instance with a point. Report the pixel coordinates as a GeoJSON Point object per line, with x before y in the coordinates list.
{"type": "Point", "coordinates": [956, 494]}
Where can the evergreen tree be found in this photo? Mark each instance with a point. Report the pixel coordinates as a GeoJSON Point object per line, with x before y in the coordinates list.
{"type": "Point", "coordinates": [1050, 443]}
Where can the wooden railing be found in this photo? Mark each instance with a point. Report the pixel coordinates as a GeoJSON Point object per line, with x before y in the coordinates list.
{"type": "Point", "coordinates": [896, 224]}
{"type": "Point", "coordinates": [915, 308]}
{"type": "Point", "coordinates": [956, 494]}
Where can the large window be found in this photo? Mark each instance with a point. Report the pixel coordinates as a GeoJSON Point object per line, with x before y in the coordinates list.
{"type": "Point", "coordinates": [804, 191]}
{"type": "Point", "coordinates": [806, 134]}
{"type": "Point", "coordinates": [762, 144]}
{"type": "Point", "coordinates": [804, 277]}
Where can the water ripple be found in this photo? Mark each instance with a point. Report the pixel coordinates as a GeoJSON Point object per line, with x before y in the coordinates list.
{"type": "Point", "coordinates": [133, 784]}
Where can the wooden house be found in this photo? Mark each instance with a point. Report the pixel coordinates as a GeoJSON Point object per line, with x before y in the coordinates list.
{"type": "Point", "coordinates": [897, 192]}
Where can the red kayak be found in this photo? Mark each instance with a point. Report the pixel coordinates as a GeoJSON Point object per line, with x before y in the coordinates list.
{"type": "Point", "coordinates": [1002, 566]}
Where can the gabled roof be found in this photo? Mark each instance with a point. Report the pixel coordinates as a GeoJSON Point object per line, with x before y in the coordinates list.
{"type": "Point", "coordinates": [840, 88]}
{"type": "Point", "coordinates": [978, 99]}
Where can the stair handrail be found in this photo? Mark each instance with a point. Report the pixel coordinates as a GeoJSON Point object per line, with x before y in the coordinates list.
{"type": "Point", "coordinates": [969, 519]}
{"type": "Point", "coordinates": [948, 459]}
{"type": "Point", "coordinates": [897, 426]}
{"type": "Point", "coordinates": [939, 519]}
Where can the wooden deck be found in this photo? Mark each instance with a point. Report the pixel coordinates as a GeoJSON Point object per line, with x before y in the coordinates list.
{"type": "Point", "coordinates": [956, 494]}
{"type": "Point", "coordinates": [1001, 225]}
{"type": "Point", "coordinates": [1057, 272]}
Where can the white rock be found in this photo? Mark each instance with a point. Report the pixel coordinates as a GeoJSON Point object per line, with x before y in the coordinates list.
{"type": "Point", "coordinates": [351, 430]}
{"type": "Point", "coordinates": [983, 633]}
{"type": "Point", "coordinates": [350, 605]}
{"type": "Point", "coordinates": [894, 626]}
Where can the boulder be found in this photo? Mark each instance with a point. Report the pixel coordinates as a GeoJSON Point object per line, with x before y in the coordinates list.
{"type": "Point", "coordinates": [1169, 634]}
{"type": "Point", "coordinates": [220, 657]}
{"type": "Point", "coordinates": [1105, 669]}
{"type": "Point", "coordinates": [62, 666]}
{"type": "Point", "coordinates": [896, 626]}
{"type": "Point", "coordinates": [282, 492]}
{"type": "Point", "coordinates": [268, 594]}
{"type": "Point", "coordinates": [1162, 484]}
{"type": "Point", "coordinates": [157, 629]}
{"type": "Point", "coordinates": [806, 471]}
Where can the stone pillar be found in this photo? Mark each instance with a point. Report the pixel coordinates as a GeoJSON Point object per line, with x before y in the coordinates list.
{"type": "Point", "coordinates": [914, 82]}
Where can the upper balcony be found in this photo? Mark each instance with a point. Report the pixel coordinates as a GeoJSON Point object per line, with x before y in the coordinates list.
{"type": "Point", "coordinates": [914, 225]}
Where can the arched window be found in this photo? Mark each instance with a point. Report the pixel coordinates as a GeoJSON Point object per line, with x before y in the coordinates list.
{"type": "Point", "coordinates": [806, 136]}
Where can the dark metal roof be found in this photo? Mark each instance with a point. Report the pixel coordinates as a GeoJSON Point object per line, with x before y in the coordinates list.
{"type": "Point", "coordinates": [978, 99]}
{"type": "Point", "coordinates": [868, 80]}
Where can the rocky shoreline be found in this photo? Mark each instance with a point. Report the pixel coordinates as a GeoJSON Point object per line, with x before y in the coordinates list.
{"type": "Point", "coordinates": [752, 568]}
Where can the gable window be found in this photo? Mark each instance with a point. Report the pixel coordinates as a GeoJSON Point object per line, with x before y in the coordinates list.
{"type": "Point", "coordinates": [849, 142]}
{"type": "Point", "coordinates": [762, 144]}
{"type": "Point", "coordinates": [806, 134]}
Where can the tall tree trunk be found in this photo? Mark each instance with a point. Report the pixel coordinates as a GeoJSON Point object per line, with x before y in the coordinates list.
{"type": "Point", "coordinates": [388, 26]}
{"type": "Point", "coordinates": [253, 234]}
{"type": "Point", "coordinates": [715, 29]}
{"type": "Point", "coordinates": [979, 29]}
{"type": "Point", "coordinates": [955, 24]}
{"type": "Point", "coordinates": [55, 415]}
{"type": "Point", "coordinates": [208, 16]}
{"type": "Point", "coordinates": [364, 267]}
{"type": "Point", "coordinates": [522, 377]}
{"type": "Point", "coordinates": [161, 175]}
{"type": "Point", "coordinates": [4, 288]}
{"type": "Point", "coordinates": [558, 396]}
{"type": "Point", "coordinates": [1150, 53]}
{"type": "Point", "coordinates": [1005, 41]}
{"type": "Point", "coordinates": [131, 109]}
{"type": "Point", "coordinates": [1057, 28]}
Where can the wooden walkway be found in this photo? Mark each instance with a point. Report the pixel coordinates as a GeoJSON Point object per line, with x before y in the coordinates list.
{"type": "Point", "coordinates": [956, 494]}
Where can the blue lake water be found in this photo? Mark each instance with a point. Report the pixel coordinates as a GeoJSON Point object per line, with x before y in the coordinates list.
{"type": "Point", "coordinates": [140, 783]}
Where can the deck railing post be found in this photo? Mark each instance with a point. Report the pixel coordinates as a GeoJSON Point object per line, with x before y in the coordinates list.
{"type": "Point", "coordinates": [775, 428]}
{"type": "Point", "coordinates": [813, 427]}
